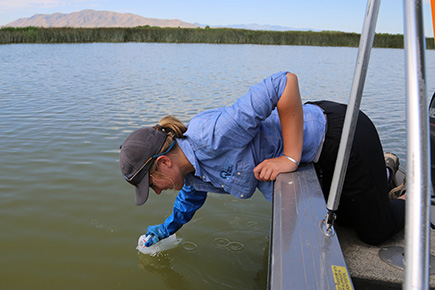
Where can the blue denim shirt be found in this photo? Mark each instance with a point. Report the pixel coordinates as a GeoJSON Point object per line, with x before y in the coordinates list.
{"type": "Point", "coordinates": [225, 144]}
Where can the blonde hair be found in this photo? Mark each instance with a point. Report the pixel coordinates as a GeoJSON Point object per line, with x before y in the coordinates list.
{"type": "Point", "coordinates": [173, 128]}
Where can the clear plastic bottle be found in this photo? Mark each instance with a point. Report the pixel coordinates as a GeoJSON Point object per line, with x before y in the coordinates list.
{"type": "Point", "coordinates": [163, 245]}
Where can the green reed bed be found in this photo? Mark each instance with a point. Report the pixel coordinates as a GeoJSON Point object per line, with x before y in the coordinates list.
{"type": "Point", "coordinates": [194, 35]}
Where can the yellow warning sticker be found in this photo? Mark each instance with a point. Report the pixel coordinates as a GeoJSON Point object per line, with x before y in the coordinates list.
{"type": "Point", "coordinates": [341, 278]}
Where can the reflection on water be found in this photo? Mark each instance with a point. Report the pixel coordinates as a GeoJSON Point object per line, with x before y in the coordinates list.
{"type": "Point", "coordinates": [69, 219]}
{"type": "Point", "coordinates": [161, 266]}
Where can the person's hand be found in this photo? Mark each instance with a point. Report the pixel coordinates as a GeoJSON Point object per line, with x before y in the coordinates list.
{"type": "Point", "coordinates": [156, 234]}
{"type": "Point", "coordinates": [269, 169]}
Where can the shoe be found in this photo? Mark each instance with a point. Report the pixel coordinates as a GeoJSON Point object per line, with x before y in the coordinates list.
{"type": "Point", "coordinates": [397, 191]}
{"type": "Point", "coordinates": [392, 163]}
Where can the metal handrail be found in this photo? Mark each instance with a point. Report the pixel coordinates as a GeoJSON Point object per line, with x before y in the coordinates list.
{"type": "Point", "coordinates": [417, 245]}
{"type": "Point", "coordinates": [352, 111]}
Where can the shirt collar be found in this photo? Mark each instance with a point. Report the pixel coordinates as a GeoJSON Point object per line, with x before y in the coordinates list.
{"type": "Point", "coordinates": [190, 154]}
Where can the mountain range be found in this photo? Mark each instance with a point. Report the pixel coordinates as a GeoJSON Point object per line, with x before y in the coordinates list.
{"type": "Point", "coordinates": [94, 18]}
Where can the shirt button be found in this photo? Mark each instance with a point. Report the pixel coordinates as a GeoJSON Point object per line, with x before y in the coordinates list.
{"type": "Point", "coordinates": [242, 196]}
{"type": "Point", "coordinates": [239, 173]}
{"type": "Point", "coordinates": [223, 185]}
{"type": "Point", "coordinates": [203, 177]}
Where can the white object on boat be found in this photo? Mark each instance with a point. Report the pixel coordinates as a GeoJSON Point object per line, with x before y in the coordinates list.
{"type": "Point", "coordinates": [163, 245]}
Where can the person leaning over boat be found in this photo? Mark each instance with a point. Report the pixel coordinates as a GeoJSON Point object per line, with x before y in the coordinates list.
{"type": "Point", "coordinates": [236, 149]}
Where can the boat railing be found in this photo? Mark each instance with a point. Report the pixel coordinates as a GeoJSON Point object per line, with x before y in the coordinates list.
{"type": "Point", "coordinates": [417, 225]}
{"type": "Point", "coordinates": [352, 111]}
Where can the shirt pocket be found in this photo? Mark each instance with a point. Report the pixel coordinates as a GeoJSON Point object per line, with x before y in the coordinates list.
{"type": "Point", "coordinates": [243, 178]}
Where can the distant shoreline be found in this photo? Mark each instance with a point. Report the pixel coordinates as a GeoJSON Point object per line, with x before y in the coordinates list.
{"type": "Point", "coordinates": [11, 35]}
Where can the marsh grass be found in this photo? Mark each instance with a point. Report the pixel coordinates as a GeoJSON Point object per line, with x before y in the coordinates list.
{"type": "Point", "coordinates": [194, 35]}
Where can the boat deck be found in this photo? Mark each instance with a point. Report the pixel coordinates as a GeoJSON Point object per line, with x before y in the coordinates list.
{"type": "Point", "coordinates": [367, 269]}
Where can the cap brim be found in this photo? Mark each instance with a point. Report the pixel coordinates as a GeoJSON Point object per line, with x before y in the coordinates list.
{"type": "Point", "coordinates": [143, 189]}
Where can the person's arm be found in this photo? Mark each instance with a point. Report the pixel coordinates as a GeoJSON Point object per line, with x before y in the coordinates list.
{"type": "Point", "coordinates": [238, 124]}
{"type": "Point", "coordinates": [188, 201]}
{"type": "Point", "coordinates": [292, 124]}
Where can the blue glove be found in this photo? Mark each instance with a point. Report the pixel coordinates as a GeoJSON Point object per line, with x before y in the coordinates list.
{"type": "Point", "coordinates": [157, 233]}
{"type": "Point", "coordinates": [188, 201]}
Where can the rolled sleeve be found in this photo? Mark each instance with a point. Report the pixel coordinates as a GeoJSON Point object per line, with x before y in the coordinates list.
{"type": "Point", "coordinates": [237, 125]}
{"type": "Point", "coordinates": [250, 110]}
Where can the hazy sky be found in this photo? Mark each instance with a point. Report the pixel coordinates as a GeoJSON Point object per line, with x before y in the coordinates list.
{"type": "Point", "coordinates": [341, 15]}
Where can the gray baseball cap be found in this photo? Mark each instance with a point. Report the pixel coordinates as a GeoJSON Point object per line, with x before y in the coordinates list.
{"type": "Point", "coordinates": [138, 153]}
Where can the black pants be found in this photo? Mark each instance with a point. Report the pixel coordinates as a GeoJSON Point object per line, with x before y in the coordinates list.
{"type": "Point", "coordinates": [364, 202]}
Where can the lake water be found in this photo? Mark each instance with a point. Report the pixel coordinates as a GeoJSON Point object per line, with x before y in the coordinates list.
{"type": "Point", "coordinates": [68, 219]}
